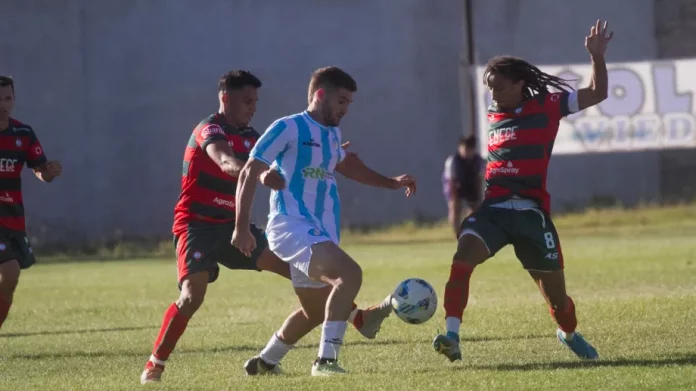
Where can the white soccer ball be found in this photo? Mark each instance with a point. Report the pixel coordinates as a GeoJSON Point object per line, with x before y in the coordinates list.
{"type": "Point", "coordinates": [414, 301]}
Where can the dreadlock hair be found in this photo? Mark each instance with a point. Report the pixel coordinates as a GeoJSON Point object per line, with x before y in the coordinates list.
{"type": "Point", "coordinates": [516, 69]}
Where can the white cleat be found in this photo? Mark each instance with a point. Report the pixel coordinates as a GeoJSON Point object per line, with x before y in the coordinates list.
{"type": "Point", "coordinates": [327, 368]}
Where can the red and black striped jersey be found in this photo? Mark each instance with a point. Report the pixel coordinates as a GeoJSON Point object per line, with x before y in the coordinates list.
{"type": "Point", "coordinates": [519, 149]}
{"type": "Point", "coordinates": [18, 145]}
{"type": "Point", "coordinates": [207, 193]}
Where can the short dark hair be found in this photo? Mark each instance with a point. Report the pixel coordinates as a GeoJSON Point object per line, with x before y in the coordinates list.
{"type": "Point", "coordinates": [468, 141]}
{"type": "Point", "coordinates": [238, 79]}
{"type": "Point", "coordinates": [330, 77]}
{"type": "Point", "coordinates": [6, 81]}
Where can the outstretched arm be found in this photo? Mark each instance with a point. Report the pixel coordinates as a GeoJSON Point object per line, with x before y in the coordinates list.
{"type": "Point", "coordinates": [596, 43]}
{"type": "Point", "coordinates": [242, 237]}
{"type": "Point", "coordinates": [353, 168]}
{"type": "Point", "coordinates": [221, 153]}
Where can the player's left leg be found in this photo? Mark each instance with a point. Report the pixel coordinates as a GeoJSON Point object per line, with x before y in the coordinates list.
{"type": "Point", "coordinates": [367, 321]}
{"type": "Point", "coordinates": [312, 296]}
{"type": "Point", "coordinates": [16, 254]}
{"type": "Point", "coordinates": [538, 247]}
{"type": "Point", "coordinates": [9, 278]}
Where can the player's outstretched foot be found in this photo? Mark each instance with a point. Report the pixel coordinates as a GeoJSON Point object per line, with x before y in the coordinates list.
{"type": "Point", "coordinates": [578, 345]}
{"type": "Point", "coordinates": [152, 373]}
{"type": "Point", "coordinates": [448, 345]}
{"type": "Point", "coordinates": [256, 366]}
{"type": "Point", "coordinates": [326, 367]}
{"type": "Point", "coordinates": [373, 318]}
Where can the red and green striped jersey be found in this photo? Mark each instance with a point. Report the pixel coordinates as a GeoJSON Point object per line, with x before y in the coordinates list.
{"type": "Point", "coordinates": [18, 145]}
{"type": "Point", "coordinates": [519, 149]}
{"type": "Point", "coordinates": [207, 193]}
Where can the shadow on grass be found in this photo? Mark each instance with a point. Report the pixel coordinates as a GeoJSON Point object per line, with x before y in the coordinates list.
{"type": "Point", "coordinates": [79, 331]}
{"type": "Point", "coordinates": [689, 360]}
{"type": "Point", "coordinates": [221, 349]}
{"type": "Point", "coordinates": [89, 331]}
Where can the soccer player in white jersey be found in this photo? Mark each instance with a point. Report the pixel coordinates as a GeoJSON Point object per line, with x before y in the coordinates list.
{"type": "Point", "coordinates": [304, 223]}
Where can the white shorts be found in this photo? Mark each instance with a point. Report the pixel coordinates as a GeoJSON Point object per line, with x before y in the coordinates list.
{"type": "Point", "coordinates": [291, 239]}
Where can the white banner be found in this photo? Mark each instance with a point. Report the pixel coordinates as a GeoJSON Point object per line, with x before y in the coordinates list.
{"type": "Point", "coordinates": [650, 106]}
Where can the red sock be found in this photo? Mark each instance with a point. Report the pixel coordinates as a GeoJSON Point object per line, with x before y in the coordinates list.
{"type": "Point", "coordinates": [566, 320]}
{"type": "Point", "coordinates": [457, 289]}
{"type": "Point", "coordinates": [173, 327]}
{"type": "Point", "coordinates": [4, 310]}
{"type": "Point", "coordinates": [358, 319]}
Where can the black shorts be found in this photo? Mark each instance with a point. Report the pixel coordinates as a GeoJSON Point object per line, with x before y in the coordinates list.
{"type": "Point", "coordinates": [16, 247]}
{"type": "Point", "coordinates": [530, 231]}
{"type": "Point", "coordinates": [204, 246]}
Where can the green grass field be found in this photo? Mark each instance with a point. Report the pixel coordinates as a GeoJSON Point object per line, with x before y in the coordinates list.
{"type": "Point", "coordinates": [632, 274]}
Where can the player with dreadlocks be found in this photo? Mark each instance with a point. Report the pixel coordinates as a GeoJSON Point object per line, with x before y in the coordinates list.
{"type": "Point", "coordinates": [524, 120]}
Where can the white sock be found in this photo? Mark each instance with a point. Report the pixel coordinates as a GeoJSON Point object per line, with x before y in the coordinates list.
{"type": "Point", "coordinates": [567, 336]}
{"type": "Point", "coordinates": [275, 350]}
{"type": "Point", "coordinates": [453, 324]}
{"type": "Point", "coordinates": [332, 334]}
{"type": "Point", "coordinates": [156, 361]}
{"type": "Point", "coordinates": [351, 317]}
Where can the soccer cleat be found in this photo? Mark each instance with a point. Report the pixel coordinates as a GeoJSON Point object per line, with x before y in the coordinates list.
{"type": "Point", "coordinates": [256, 366]}
{"type": "Point", "coordinates": [152, 373]}
{"type": "Point", "coordinates": [322, 367]}
{"type": "Point", "coordinates": [373, 318]}
{"type": "Point", "coordinates": [578, 345]}
{"type": "Point", "coordinates": [448, 345]}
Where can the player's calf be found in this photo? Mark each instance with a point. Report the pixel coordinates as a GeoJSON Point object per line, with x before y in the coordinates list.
{"type": "Point", "coordinates": [176, 318]}
{"type": "Point", "coordinates": [366, 321]}
{"type": "Point", "coordinates": [471, 251]}
{"type": "Point", "coordinates": [296, 326]}
{"type": "Point", "coordinates": [9, 278]}
{"type": "Point", "coordinates": [332, 265]}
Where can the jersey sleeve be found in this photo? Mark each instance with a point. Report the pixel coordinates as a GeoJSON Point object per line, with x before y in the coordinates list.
{"type": "Point", "coordinates": [206, 134]}
{"type": "Point", "coordinates": [561, 104]}
{"type": "Point", "coordinates": [272, 142]}
{"type": "Point", "coordinates": [35, 152]}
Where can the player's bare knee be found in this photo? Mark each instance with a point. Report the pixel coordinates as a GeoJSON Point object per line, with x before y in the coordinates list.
{"type": "Point", "coordinates": [351, 275]}
{"type": "Point", "coordinates": [193, 291]}
{"type": "Point", "coordinates": [471, 250]}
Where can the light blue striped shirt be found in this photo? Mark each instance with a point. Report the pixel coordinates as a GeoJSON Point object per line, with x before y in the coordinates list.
{"type": "Point", "coordinates": [306, 154]}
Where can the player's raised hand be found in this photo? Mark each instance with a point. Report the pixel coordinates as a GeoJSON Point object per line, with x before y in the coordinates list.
{"type": "Point", "coordinates": [596, 43]}
{"type": "Point", "coordinates": [244, 241]}
{"type": "Point", "coordinates": [406, 181]}
{"type": "Point", "coordinates": [272, 178]}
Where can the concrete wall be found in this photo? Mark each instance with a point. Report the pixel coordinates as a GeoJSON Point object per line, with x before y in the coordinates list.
{"type": "Point", "coordinates": [113, 89]}
{"type": "Point", "coordinates": [552, 32]}
{"type": "Point", "coordinates": [675, 28]}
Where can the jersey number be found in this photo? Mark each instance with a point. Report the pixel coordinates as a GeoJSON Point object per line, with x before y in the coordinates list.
{"type": "Point", "coordinates": [550, 242]}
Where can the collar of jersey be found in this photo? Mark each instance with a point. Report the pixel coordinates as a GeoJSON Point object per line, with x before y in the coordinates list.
{"type": "Point", "coordinates": [309, 117]}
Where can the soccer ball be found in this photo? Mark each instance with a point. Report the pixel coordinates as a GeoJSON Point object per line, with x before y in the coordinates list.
{"type": "Point", "coordinates": [414, 301]}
